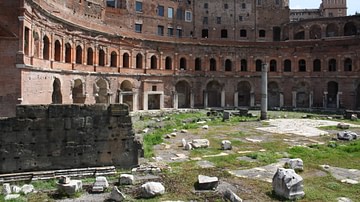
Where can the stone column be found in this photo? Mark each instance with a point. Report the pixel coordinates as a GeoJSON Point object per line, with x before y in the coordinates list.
{"type": "Point", "coordinates": [135, 100]}
{"type": "Point", "coordinates": [192, 99]}
{"type": "Point", "coordinates": [281, 99]}
{"type": "Point", "coordinates": [338, 100]}
{"type": "Point", "coordinates": [236, 99]}
{"type": "Point", "coordinates": [162, 101]}
{"type": "Point", "coordinates": [294, 99]}
{"type": "Point", "coordinates": [311, 99]}
{"type": "Point", "coordinates": [121, 97]}
{"type": "Point", "coordinates": [145, 101]}
{"type": "Point", "coordinates": [325, 99]}
{"type": "Point", "coordinates": [175, 100]}
{"type": "Point", "coordinates": [223, 98]}
{"type": "Point", "coordinates": [264, 95]}
{"type": "Point", "coordinates": [252, 99]}
{"type": "Point", "coordinates": [205, 99]}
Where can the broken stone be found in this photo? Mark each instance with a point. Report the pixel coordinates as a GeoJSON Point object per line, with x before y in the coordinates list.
{"type": "Point", "coordinates": [11, 197]}
{"type": "Point", "coordinates": [184, 131]}
{"type": "Point", "coordinates": [200, 143]}
{"type": "Point", "coordinates": [188, 146]}
{"type": "Point", "coordinates": [95, 189]}
{"type": "Point", "coordinates": [226, 145]}
{"type": "Point", "coordinates": [146, 130]}
{"type": "Point", "coordinates": [231, 196]}
{"type": "Point", "coordinates": [70, 188]}
{"type": "Point", "coordinates": [173, 134]}
{"type": "Point", "coordinates": [226, 116]}
{"type": "Point", "coordinates": [167, 136]}
{"type": "Point", "coordinates": [126, 179]}
{"type": "Point", "coordinates": [6, 189]}
{"type": "Point", "coordinates": [350, 181]}
{"type": "Point", "coordinates": [295, 164]}
{"type": "Point", "coordinates": [347, 135]}
{"type": "Point", "coordinates": [286, 183]}
{"type": "Point", "coordinates": [205, 127]}
{"type": "Point", "coordinates": [15, 189]}
{"type": "Point", "coordinates": [343, 199]}
{"type": "Point", "coordinates": [201, 122]}
{"type": "Point", "coordinates": [183, 141]}
{"type": "Point", "coordinates": [343, 126]}
{"type": "Point", "coordinates": [152, 189]}
{"type": "Point", "coordinates": [207, 183]}
{"type": "Point", "coordinates": [100, 184]}
{"type": "Point", "coordinates": [27, 188]}
{"type": "Point", "coordinates": [64, 180]}
{"type": "Point", "coordinates": [353, 117]}
{"type": "Point", "coordinates": [116, 195]}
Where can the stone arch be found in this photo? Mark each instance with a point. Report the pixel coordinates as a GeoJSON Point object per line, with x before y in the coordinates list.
{"type": "Point", "coordinates": [139, 61]}
{"type": "Point", "coordinates": [212, 64]}
{"type": "Point", "coordinates": [332, 65]}
{"type": "Point", "coordinates": [244, 94]}
{"type": "Point", "coordinates": [315, 32]}
{"type": "Point", "coordinates": [113, 59]}
{"type": "Point", "coordinates": [126, 60]}
{"type": "Point", "coordinates": [183, 91]}
{"type": "Point", "coordinates": [228, 65]}
{"type": "Point", "coordinates": [213, 90]}
{"type": "Point", "coordinates": [183, 63]}
{"type": "Point", "coordinates": [299, 33]}
{"type": "Point", "coordinates": [332, 89]}
{"type": "Point", "coordinates": [57, 51]}
{"type": "Point", "coordinates": [348, 65]}
{"type": "Point", "coordinates": [302, 95]}
{"type": "Point", "coordinates": [273, 66]}
{"type": "Point", "coordinates": [67, 53]}
{"type": "Point", "coordinates": [101, 57]}
{"type": "Point", "coordinates": [168, 63]}
{"type": "Point", "coordinates": [273, 95]}
{"type": "Point", "coordinates": [126, 94]}
{"type": "Point", "coordinates": [101, 91]}
{"type": "Point", "coordinates": [78, 92]}
{"type": "Point", "coordinates": [46, 48]}
{"type": "Point", "coordinates": [302, 65]}
{"type": "Point", "coordinates": [79, 59]}
{"type": "Point", "coordinates": [90, 56]}
{"type": "Point", "coordinates": [56, 94]}
{"type": "Point", "coordinates": [350, 29]}
{"type": "Point", "coordinates": [153, 62]}
{"type": "Point", "coordinates": [198, 64]}
{"type": "Point", "coordinates": [332, 30]}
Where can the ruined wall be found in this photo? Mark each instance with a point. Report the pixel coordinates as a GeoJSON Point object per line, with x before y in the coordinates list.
{"type": "Point", "coordinates": [46, 137]}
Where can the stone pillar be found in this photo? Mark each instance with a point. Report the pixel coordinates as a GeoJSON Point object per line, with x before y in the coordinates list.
{"type": "Point", "coordinates": [325, 99]}
{"type": "Point", "coordinates": [252, 99]}
{"type": "Point", "coordinates": [205, 99]}
{"type": "Point", "coordinates": [145, 101]}
{"type": "Point", "coordinates": [162, 101]}
{"type": "Point", "coordinates": [311, 99]}
{"type": "Point", "coordinates": [175, 100]}
{"type": "Point", "coordinates": [294, 99]}
{"type": "Point", "coordinates": [264, 96]}
{"type": "Point", "coordinates": [236, 99]}
{"type": "Point", "coordinates": [338, 100]}
{"type": "Point", "coordinates": [135, 100]}
{"type": "Point", "coordinates": [120, 97]}
{"type": "Point", "coordinates": [223, 98]}
{"type": "Point", "coordinates": [281, 99]}
{"type": "Point", "coordinates": [192, 99]}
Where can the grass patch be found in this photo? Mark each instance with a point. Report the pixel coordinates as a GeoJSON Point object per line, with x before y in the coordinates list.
{"type": "Point", "coordinates": [149, 141]}
{"type": "Point", "coordinates": [330, 128]}
{"type": "Point", "coordinates": [265, 157]}
{"type": "Point", "coordinates": [44, 184]}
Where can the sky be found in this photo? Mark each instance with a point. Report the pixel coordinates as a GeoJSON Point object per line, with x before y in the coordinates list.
{"type": "Point", "coordinates": [353, 5]}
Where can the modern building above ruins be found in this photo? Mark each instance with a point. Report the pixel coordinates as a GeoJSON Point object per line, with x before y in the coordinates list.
{"type": "Point", "coordinates": [177, 54]}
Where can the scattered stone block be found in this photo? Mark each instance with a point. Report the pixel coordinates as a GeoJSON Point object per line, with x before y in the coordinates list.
{"type": "Point", "coordinates": [6, 189]}
{"type": "Point", "coordinates": [201, 122]}
{"type": "Point", "coordinates": [354, 117]}
{"type": "Point", "coordinates": [286, 183]}
{"type": "Point", "coordinates": [205, 127]}
{"type": "Point", "coordinates": [200, 143]}
{"type": "Point", "coordinates": [295, 164]}
{"type": "Point", "coordinates": [116, 195]}
{"type": "Point", "coordinates": [226, 145]}
{"type": "Point", "coordinates": [343, 199]}
{"type": "Point", "coordinates": [183, 142]}
{"type": "Point", "coordinates": [126, 179]}
{"type": "Point", "coordinates": [27, 188]}
{"type": "Point", "coordinates": [173, 134]}
{"type": "Point", "coordinates": [231, 196]}
{"type": "Point", "coordinates": [343, 126]}
{"type": "Point", "coordinates": [97, 189]}
{"type": "Point", "coordinates": [70, 188]}
{"type": "Point", "coordinates": [11, 197]}
{"type": "Point", "coordinates": [15, 189]}
{"type": "Point", "coordinates": [184, 131]}
{"type": "Point", "coordinates": [350, 181]}
{"type": "Point", "coordinates": [188, 146]}
{"type": "Point", "coordinates": [64, 180]}
{"type": "Point", "coordinates": [152, 189]}
{"type": "Point", "coordinates": [226, 116]}
{"type": "Point", "coordinates": [207, 183]}
{"type": "Point", "coordinates": [347, 135]}
{"type": "Point", "coordinates": [100, 184]}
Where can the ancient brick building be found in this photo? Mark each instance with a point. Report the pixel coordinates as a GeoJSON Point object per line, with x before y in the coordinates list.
{"type": "Point", "coordinates": [174, 54]}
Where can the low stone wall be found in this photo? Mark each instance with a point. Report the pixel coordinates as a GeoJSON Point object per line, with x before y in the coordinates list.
{"type": "Point", "coordinates": [47, 137]}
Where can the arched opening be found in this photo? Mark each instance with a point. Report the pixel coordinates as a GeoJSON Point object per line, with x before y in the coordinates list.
{"type": "Point", "coordinates": [332, 30]}
{"type": "Point", "coordinates": [348, 65]}
{"type": "Point", "coordinates": [332, 88]}
{"type": "Point", "coordinates": [153, 62]}
{"type": "Point", "coordinates": [101, 91]}
{"type": "Point", "coordinates": [90, 57]}
{"type": "Point", "coordinates": [299, 35]}
{"type": "Point", "coordinates": [57, 51]}
{"type": "Point", "coordinates": [126, 94]}
{"type": "Point", "coordinates": [273, 95]}
{"type": "Point", "coordinates": [139, 61]}
{"type": "Point", "coordinates": [287, 66]}
{"type": "Point", "coordinates": [350, 29]}
{"type": "Point", "coordinates": [273, 65]}
{"type": "Point", "coordinates": [302, 95]}
{"type": "Point", "coordinates": [46, 48]}
{"type": "Point", "coordinates": [212, 64]}
{"type": "Point", "coordinates": [198, 64]}
{"type": "Point", "coordinates": [244, 94]}
{"type": "Point", "coordinates": [67, 53]}
{"type": "Point", "coordinates": [317, 65]}
{"type": "Point", "coordinates": [56, 94]}
{"type": "Point", "coordinates": [113, 59]}
{"type": "Point", "coordinates": [183, 92]}
{"type": "Point", "coordinates": [315, 32]}
{"type": "Point", "coordinates": [101, 57]}
{"type": "Point", "coordinates": [78, 55]}
{"type": "Point", "coordinates": [168, 63]}
{"type": "Point", "coordinates": [228, 65]}
{"type": "Point", "coordinates": [213, 90]}
{"type": "Point", "coordinates": [182, 64]}
{"type": "Point", "coordinates": [78, 95]}
{"type": "Point", "coordinates": [332, 65]}
{"type": "Point", "coordinates": [243, 65]}
{"type": "Point", "coordinates": [302, 65]}
{"type": "Point", "coordinates": [126, 60]}
{"type": "Point", "coordinates": [258, 64]}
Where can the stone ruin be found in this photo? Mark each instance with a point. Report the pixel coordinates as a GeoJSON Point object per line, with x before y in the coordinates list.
{"type": "Point", "coordinates": [48, 137]}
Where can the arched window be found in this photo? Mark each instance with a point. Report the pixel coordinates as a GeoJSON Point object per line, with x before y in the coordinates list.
{"type": "Point", "coordinates": [273, 65]}
{"type": "Point", "coordinates": [46, 48]}
{"type": "Point", "coordinates": [348, 65]}
{"type": "Point", "coordinates": [57, 51]}
{"type": "Point", "coordinates": [126, 61]}
{"type": "Point", "coordinates": [212, 64]}
{"type": "Point", "coordinates": [258, 65]}
{"type": "Point", "coordinates": [101, 57]}
{"type": "Point", "coordinates": [228, 65]}
{"type": "Point", "coordinates": [67, 53]}
{"type": "Point", "coordinates": [139, 61]}
{"type": "Point", "coordinates": [317, 65]}
{"type": "Point", "coordinates": [302, 66]}
{"type": "Point", "coordinates": [332, 65]}
{"type": "Point", "coordinates": [153, 64]}
{"type": "Point", "coordinates": [287, 66]}
{"type": "Point", "coordinates": [90, 57]}
{"type": "Point", "coordinates": [113, 59]}
{"type": "Point", "coordinates": [168, 63]}
{"type": "Point", "coordinates": [78, 55]}
{"type": "Point", "coordinates": [197, 64]}
{"type": "Point", "coordinates": [182, 64]}
{"type": "Point", "coordinates": [244, 65]}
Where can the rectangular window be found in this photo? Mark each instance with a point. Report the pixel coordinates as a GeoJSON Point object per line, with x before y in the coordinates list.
{"type": "Point", "coordinates": [226, 6]}
{"type": "Point", "coordinates": [170, 13]}
{"type": "Point", "coordinates": [188, 16]}
{"type": "Point", "coordinates": [179, 33]}
{"type": "Point", "coordinates": [138, 28]}
{"type": "Point", "coordinates": [138, 6]}
{"type": "Point", "coordinates": [160, 30]}
{"type": "Point", "coordinates": [170, 31]}
{"type": "Point", "coordinates": [259, 2]}
{"type": "Point", "coordinates": [206, 5]}
{"type": "Point", "coordinates": [241, 18]}
{"type": "Point", "coordinates": [111, 3]}
{"type": "Point", "coordinates": [179, 14]}
{"type": "Point", "coordinates": [206, 20]}
{"type": "Point", "coordinates": [160, 10]}
{"type": "Point", "coordinates": [218, 20]}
